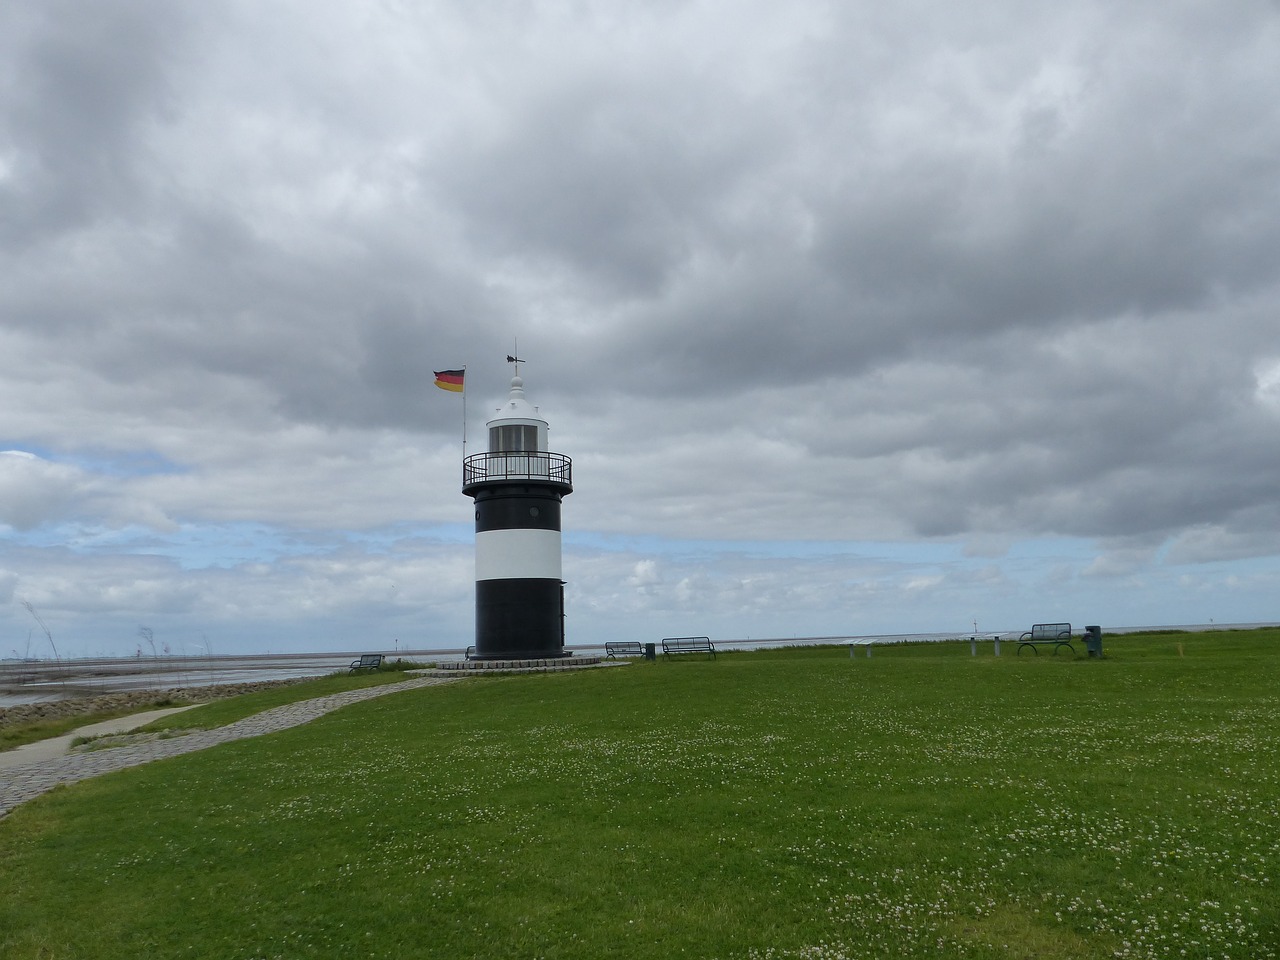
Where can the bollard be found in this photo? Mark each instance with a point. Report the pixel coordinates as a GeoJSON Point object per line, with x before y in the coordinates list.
{"type": "Point", "coordinates": [973, 646]}
{"type": "Point", "coordinates": [997, 640]}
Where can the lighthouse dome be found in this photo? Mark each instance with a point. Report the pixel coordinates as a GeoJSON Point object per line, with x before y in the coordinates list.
{"type": "Point", "coordinates": [517, 427]}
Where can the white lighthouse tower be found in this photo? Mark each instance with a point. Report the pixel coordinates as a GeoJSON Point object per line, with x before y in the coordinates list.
{"type": "Point", "coordinates": [518, 486]}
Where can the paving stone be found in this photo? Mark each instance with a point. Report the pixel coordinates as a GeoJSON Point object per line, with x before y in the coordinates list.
{"type": "Point", "coordinates": [18, 784]}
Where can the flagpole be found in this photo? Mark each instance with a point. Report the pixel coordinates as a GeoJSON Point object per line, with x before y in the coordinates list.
{"type": "Point", "coordinates": [464, 411]}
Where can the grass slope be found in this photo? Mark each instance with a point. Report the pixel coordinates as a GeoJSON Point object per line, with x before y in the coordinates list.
{"type": "Point", "coordinates": [779, 804]}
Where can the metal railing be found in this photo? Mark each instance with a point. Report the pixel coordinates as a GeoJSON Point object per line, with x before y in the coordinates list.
{"type": "Point", "coordinates": [513, 465]}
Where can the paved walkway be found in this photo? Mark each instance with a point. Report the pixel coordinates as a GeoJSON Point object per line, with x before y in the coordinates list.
{"type": "Point", "coordinates": [23, 781]}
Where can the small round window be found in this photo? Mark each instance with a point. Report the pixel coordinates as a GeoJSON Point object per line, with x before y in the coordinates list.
{"type": "Point", "coordinates": [533, 511]}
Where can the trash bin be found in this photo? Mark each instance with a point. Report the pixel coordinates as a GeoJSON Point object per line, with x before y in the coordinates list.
{"type": "Point", "coordinates": [651, 651]}
{"type": "Point", "coordinates": [1093, 641]}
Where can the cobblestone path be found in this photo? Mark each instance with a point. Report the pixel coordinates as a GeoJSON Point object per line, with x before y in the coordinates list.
{"type": "Point", "coordinates": [18, 784]}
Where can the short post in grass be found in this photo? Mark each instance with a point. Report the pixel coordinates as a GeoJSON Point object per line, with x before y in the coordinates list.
{"type": "Point", "coordinates": [1093, 640]}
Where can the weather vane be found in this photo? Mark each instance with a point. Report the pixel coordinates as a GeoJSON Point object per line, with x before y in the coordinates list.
{"type": "Point", "coordinates": [514, 359]}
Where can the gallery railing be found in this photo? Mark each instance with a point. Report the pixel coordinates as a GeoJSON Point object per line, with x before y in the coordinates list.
{"type": "Point", "coordinates": [517, 465]}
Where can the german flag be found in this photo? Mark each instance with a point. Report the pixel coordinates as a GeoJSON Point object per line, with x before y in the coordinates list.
{"type": "Point", "coordinates": [450, 380]}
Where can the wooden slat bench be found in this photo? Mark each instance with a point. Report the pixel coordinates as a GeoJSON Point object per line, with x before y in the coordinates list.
{"type": "Point", "coordinates": [367, 661]}
{"type": "Point", "coordinates": [1040, 634]}
{"type": "Point", "coordinates": [623, 648]}
{"type": "Point", "coordinates": [673, 646]}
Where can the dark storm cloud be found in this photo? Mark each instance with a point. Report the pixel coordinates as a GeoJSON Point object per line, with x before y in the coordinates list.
{"type": "Point", "coordinates": [83, 83]}
{"type": "Point", "coordinates": [1019, 197]}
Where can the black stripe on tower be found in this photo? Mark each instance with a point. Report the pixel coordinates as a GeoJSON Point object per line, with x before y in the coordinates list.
{"type": "Point", "coordinates": [518, 507]}
{"type": "Point", "coordinates": [519, 619]}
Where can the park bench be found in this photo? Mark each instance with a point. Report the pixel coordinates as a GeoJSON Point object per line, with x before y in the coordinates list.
{"type": "Point", "coordinates": [1041, 634]}
{"type": "Point", "coordinates": [367, 661]}
{"type": "Point", "coordinates": [673, 646]}
{"type": "Point", "coordinates": [623, 648]}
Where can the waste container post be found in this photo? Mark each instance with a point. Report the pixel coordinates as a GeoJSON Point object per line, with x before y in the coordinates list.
{"type": "Point", "coordinates": [1093, 640]}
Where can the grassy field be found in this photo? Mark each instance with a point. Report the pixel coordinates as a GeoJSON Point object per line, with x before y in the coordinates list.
{"type": "Point", "coordinates": [781, 804]}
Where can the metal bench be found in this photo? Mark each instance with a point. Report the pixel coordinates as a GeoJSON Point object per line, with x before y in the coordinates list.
{"type": "Point", "coordinates": [623, 648]}
{"type": "Point", "coordinates": [1041, 634]}
{"type": "Point", "coordinates": [673, 646]}
{"type": "Point", "coordinates": [367, 661]}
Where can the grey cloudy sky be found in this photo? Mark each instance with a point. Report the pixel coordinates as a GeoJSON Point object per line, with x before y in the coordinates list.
{"type": "Point", "coordinates": [854, 317]}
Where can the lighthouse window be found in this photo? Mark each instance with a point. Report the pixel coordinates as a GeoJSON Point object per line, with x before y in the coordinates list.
{"type": "Point", "coordinates": [513, 437]}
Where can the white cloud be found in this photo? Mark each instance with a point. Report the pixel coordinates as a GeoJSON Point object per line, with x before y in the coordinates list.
{"type": "Point", "coordinates": [34, 492]}
{"type": "Point", "coordinates": [1267, 391]}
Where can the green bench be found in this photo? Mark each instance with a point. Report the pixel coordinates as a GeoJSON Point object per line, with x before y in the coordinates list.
{"type": "Point", "coordinates": [674, 646]}
{"type": "Point", "coordinates": [1047, 634]}
{"type": "Point", "coordinates": [623, 648]}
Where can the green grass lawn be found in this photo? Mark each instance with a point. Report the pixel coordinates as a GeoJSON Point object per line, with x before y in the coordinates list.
{"type": "Point", "coordinates": [782, 804]}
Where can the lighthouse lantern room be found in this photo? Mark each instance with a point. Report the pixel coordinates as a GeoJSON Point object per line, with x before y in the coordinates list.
{"type": "Point", "coordinates": [518, 485]}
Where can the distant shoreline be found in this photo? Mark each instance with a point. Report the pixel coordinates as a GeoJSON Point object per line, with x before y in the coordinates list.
{"type": "Point", "coordinates": [35, 680]}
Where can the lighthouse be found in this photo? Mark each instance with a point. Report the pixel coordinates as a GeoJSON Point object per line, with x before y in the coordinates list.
{"type": "Point", "coordinates": [518, 485]}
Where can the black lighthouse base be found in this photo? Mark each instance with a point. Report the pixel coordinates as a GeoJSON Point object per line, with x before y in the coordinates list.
{"type": "Point", "coordinates": [519, 619]}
